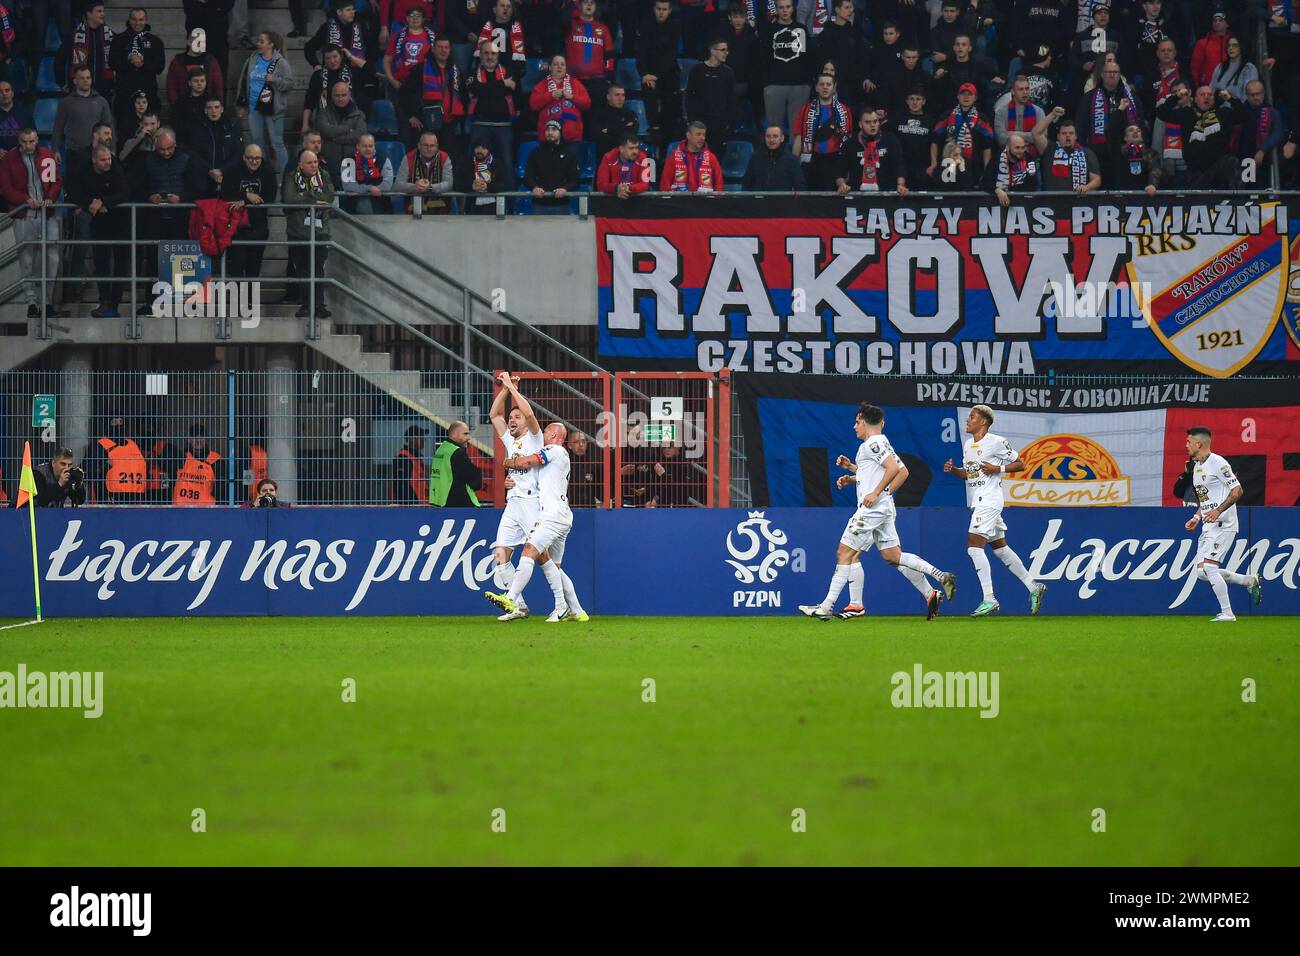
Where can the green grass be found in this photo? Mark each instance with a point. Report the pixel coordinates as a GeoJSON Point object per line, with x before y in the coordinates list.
{"type": "Point", "coordinates": [455, 717]}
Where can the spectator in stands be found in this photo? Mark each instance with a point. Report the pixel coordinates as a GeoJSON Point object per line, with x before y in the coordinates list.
{"type": "Point", "coordinates": [561, 98]}
{"type": "Point", "coordinates": [698, 21]}
{"type": "Point", "coordinates": [953, 172]}
{"type": "Point", "coordinates": [408, 48]}
{"type": "Point", "coordinates": [311, 142]}
{"type": "Point", "coordinates": [435, 95]}
{"type": "Point", "coordinates": [1211, 50]}
{"type": "Point", "coordinates": [492, 110]}
{"type": "Point", "coordinates": [711, 94]}
{"type": "Point", "coordinates": [79, 222]}
{"type": "Point", "coordinates": [9, 43]}
{"type": "Point", "coordinates": [140, 142]}
{"type": "Point", "coordinates": [585, 485]}
{"type": "Point", "coordinates": [166, 177]}
{"type": "Point", "coordinates": [1067, 166]}
{"type": "Point", "coordinates": [1158, 81]}
{"type": "Point", "coordinates": [129, 122]}
{"type": "Point", "coordinates": [391, 16]}
{"type": "Point", "coordinates": [1090, 42]}
{"type": "Point", "coordinates": [690, 166]}
{"type": "Point", "coordinates": [368, 178]}
{"type": "Point", "coordinates": [248, 183]}
{"type": "Point", "coordinates": [213, 18]}
{"type": "Point", "coordinates": [14, 117]}
{"type": "Point", "coordinates": [194, 55]}
{"type": "Point", "coordinates": [29, 184]}
{"type": "Point", "coordinates": [656, 61]}
{"type": "Point", "coordinates": [1014, 171]}
{"type": "Point", "coordinates": [944, 33]}
{"type": "Point", "coordinates": [1262, 130]}
{"type": "Point", "coordinates": [612, 120]}
{"type": "Point", "coordinates": [551, 173]}
{"type": "Point", "coordinates": [1135, 165]}
{"type": "Point", "coordinates": [216, 142]}
{"type": "Point", "coordinates": [872, 161]}
{"type": "Point", "coordinates": [506, 34]}
{"type": "Point", "coordinates": [967, 128]}
{"type": "Point", "coordinates": [1234, 74]}
{"type": "Point", "coordinates": [341, 126]}
{"type": "Point", "coordinates": [1015, 112]}
{"type": "Point", "coordinates": [773, 167]}
{"type": "Point", "coordinates": [900, 77]}
{"type": "Point", "coordinates": [188, 110]}
{"type": "Point", "coordinates": [76, 117]}
{"type": "Point", "coordinates": [589, 50]}
{"type": "Point", "coordinates": [844, 44]}
{"type": "Point", "coordinates": [87, 44]}
{"type": "Point", "coordinates": [341, 30]}
{"type": "Point", "coordinates": [965, 69]}
{"type": "Point", "coordinates": [1041, 24]}
{"type": "Point", "coordinates": [914, 128]}
{"type": "Point", "coordinates": [743, 56]}
{"type": "Point", "coordinates": [785, 65]}
{"type": "Point", "coordinates": [137, 59]}
{"type": "Point", "coordinates": [820, 131]}
{"type": "Point", "coordinates": [321, 84]}
{"type": "Point", "coordinates": [264, 87]}
{"type": "Point", "coordinates": [1041, 77]}
{"type": "Point", "coordinates": [1112, 95]}
{"type": "Point", "coordinates": [427, 172]}
{"type": "Point", "coordinates": [626, 170]}
{"type": "Point", "coordinates": [99, 189]}
{"type": "Point", "coordinates": [488, 175]}
{"type": "Point", "coordinates": [309, 185]}
{"type": "Point", "coordinates": [1206, 124]}
{"type": "Point", "coordinates": [886, 57]}
{"type": "Point", "coordinates": [1150, 27]}
{"type": "Point", "coordinates": [453, 478]}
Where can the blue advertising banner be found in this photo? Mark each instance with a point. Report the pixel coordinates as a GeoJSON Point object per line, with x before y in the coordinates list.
{"type": "Point", "coordinates": [417, 561]}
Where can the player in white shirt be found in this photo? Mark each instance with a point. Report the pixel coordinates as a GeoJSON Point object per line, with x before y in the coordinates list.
{"type": "Point", "coordinates": [1217, 492]}
{"type": "Point", "coordinates": [878, 473]}
{"type": "Point", "coordinates": [520, 435]}
{"type": "Point", "coordinates": [986, 458]}
{"type": "Point", "coordinates": [546, 538]}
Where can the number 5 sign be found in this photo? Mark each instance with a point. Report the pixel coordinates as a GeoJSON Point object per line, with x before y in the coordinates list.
{"type": "Point", "coordinates": [665, 409]}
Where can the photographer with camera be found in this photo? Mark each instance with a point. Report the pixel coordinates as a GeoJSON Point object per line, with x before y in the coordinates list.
{"type": "Point", "coordinates": [59, 483]}
{"type": "Point", "coordinates": [267, 496]}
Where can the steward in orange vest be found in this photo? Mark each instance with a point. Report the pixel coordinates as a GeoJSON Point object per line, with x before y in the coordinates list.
{"type": "Point", "coordinates": [127, 473]}
{"type": "Point", "coordinates": [197, 477]}
{"type": "Point", "coordinates": [410, 475]}
{"type": "Point", "coordinates": [257, 467]}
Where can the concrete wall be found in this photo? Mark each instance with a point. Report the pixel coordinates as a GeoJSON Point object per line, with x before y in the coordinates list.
{"type": "Point", "coordinates": [545, 266]}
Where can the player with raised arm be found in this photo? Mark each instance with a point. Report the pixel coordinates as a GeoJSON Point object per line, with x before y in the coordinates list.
{"type": "Point", "coordinates": [986, 458]}
{"type": "Point", "coordinates": [546, 538]}
{"type": "Point", "coordinates": [1217, 493]}
{"type": "Point", "coordinates": [878, 472]}
{"type": "Point", "coordinates": [520, 435]}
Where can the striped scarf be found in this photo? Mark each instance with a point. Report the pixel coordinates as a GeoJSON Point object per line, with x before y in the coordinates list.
{"type": "Point", "coordinates": [328, 78]}
{"type": "Point", "coordinates": [368, 169]}
{"type": "Point", "coordinates": [1012, 172]}
{"type": "Point", "coordinates": [870, 163]}
{"type": "Point", "coordinates": [1100, 111]}
{"type": "Point", "coordinates": [840, 118]}
{"type": "Point", "coordinates": [430, 169]}
{"type": "Point", "coordinates": [1074, 158]}
{"type": "Point", "coordinates": [500, 74]}
{"type": "Point", "coordinates": [356, 44]}
{"type": "Point", "coordinates": [84, 45]}
{"type": "Point", "coordinates": [682, 164]}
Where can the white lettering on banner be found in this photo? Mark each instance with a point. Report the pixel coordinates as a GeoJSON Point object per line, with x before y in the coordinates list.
{"type": "Point", "coordinates": [876, 358]}
{"type": "Point", "coordinates": [630, 282]}
{"type": "Point", "coordinates": [1111, 562]}
{"type": "Point", "coordinates": [848, 256]}
{"type": "Point", "coordinates": [735, 264]}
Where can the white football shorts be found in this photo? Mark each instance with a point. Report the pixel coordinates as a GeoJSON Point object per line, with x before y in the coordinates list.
{"type": "Point", "coordinates": [871, 526]}
{"type": "Point", "coordinates": [520, 515]}
{"type": "Point", "coordinates": [547, 535]}
{"type": "Point", "coordinates": [1214, 543]}
{"type": "Point", "coordinates": [987, 523]}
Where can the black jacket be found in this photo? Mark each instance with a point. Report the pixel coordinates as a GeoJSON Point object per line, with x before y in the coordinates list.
{"type": "Point", "coordinates": [49, 494]}
{"type": "Point", "coordinates": [552, 166]}
{"type": "Point", "coordinates": [656, 50]}
{"type": "Point", "coordinates": [144, 77]}
{"type": "Point", "coordinates": [493, 98]}
{"type": "Point", "coordinates": [608, 126]}
{"type": "Point", "coordinates": [846, 47]}
{"type": "Point", "coordinates": [773, 170]}
{"type": "Point", "coordinates": [237, 180]}
{"type": "Point", "coordinates": [784, 53]}
{"type": "Point", "coordinates": [711, 95]}
{"type": "Point", "coordinates": [86, 184]}
{"type": "Point", "coordinates": [217, 144]}
{"type": "Point", "coordinates": [890, 158]}
{"type": "Point", "coordinates": [1205, 133]}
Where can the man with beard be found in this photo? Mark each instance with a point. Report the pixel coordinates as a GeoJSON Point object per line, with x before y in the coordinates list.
{"type": "Point", "coordinates": [872, 161]}
{"type": "Point", "coordinates": [248, 183]}
{"type": "Point", "coordinates": [1111, 95]}
{"type": "Point", "coordinates": [551, 173]}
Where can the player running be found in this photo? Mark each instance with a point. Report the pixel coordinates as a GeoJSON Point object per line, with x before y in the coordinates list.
{"type": "Point", "coordinates": [521, 435]}
{"type": "Point", "coordinates": [986, 458]}
{"type": "Point", "coordinates": [546, 538]}
{"type": "Point", "coordinates": [878, 473]}
{"type": "Point", "coordinates": [1217, 492]}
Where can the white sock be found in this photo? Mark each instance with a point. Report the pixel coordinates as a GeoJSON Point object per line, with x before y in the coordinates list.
{"type": "Point", "coordinates": [1016, 566]}
{"type": "Point", "coordinates": [838, 580]}
{"type": "Point", "coordinates": [856, 579]}
{"type": "Point", "coordinates": [982, 569]}
{"type": "Point", "coordinates": [1232, 577]}
{"type": "Point", "coordinates": [570, 595]}
{"type": "Point", "coordinates": [918, 580]}
{"type": "Point", "coordinates": [1211, 573]}
{"type": "Point", "coordinates": [555, 578]}
{"type": "Point", "coordinates": [503, 574]}
{"type": "Point", "coordinates": [909, 560]}
{"type": "Point", "coordinates": [522, 574]}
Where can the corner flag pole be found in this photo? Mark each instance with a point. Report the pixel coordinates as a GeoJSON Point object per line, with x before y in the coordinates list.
{"type": "Point", "coordinates": [27, 494]}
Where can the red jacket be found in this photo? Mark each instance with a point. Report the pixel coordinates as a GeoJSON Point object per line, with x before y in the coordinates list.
{"type": "Point", "coordinates": [13, 179]}
{"type": "Point", "coordinates": [568, 112]}
{"type": "Point", "coordinates": [609, 174]}
{"type": "Point", "coordinates": [691, 172]}
{"type": "Point", "coordinates": [214, 225]}
{"type": "Point", "coordinates": [1209, 52]}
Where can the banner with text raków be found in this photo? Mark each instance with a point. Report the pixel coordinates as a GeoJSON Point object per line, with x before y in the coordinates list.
{"type": "Point", "coordinates": [930, 286]}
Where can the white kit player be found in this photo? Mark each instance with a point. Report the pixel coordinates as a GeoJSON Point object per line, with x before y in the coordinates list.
{"type": "Point", "coordinates": [545, 541]}
{"type": "Point", "coordinates": [520, 435]}
{"type": "Point", "coordinates": [986, 458]}
{"type": "Point", "coordinates": [878, 472]}
{"type": "Point", "coordinates": [1217, 492]}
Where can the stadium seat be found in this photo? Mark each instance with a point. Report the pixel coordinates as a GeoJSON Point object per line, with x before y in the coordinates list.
{"type": "Point", "coordinates": [735, 158]}
{"type": "Point", "coordinates": [745, 127]}
{"type": "Point", "coordinates": [627, 74]}
{"type": "Point", "coordinates": [383, 118]}
{"type": "Point", "coordinates": [45, 81]}
{"type": "Point", "coordinates": [534, 70]}
{"type": "Point", "coordinates": [395, 153]}
{"type": "Point", "coordinates": [524, 206]}
{"type": "Point", "coordinates": [525, 150]}
{"type": "Point", "coordinates": [642, 121]}
{"type": "Point", "coordinates": [44, 111]}
{"type": "Point", "coordinates": [53, 41]}
{"type": "Point", "coordinates": [18, 76]}
{"type": "Point", "coordinates": [685, 66]}
{"type": "Point", "coordinates": [731, 188]}
{"type": "Point", "coordinates": [586, 160]}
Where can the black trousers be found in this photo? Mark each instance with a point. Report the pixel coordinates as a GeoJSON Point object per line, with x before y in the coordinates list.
{"type": "Point", "coordinates": [301, 257]}
{"type": "Point", "coordinates": [111, 261]}
{"type": "Point", "coordinates": [245, 262]}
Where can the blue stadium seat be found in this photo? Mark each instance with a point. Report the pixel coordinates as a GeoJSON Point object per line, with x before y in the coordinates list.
{"type": "Point", "coordinates": [383, 118]}
{"type": "Point", "coordinates": [731, 187]}
{"type": "Point", "coordinates": [525, 150]}
{"type": "Point", "coordinates": [735, 159]}
{"type": "Point", "coordinates": [745, 127]}
{"type": "Point", "coordinates": [395, 153]}
{"type": "Point", "coordinates": [53, 41]}
{"type": "Point", "coordinates": [524, 206]}
{"type": "Point", "coordinates": [534, 70]}
{"type": "Point", "coordinates": [18, 76]}
{"type": "Point", "coordinates": [45, 80]}
{"type": "Point", "coordinates": [627, 74]}
{"type": "Point", "coordinates": [43, 111]}
{"type": "Point", "coordinates": [685, 66]}
{"type": "Point", "coordinates": [586, 160]}
{"type": "Point", "coordinates": [642, 120]}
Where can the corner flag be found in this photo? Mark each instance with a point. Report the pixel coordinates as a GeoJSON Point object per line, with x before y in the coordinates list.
{"type": "Point", "coordinates": [27, 496]}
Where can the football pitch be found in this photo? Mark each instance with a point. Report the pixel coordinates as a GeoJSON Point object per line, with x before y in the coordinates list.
{"type": "Point", "coordinates": [473, 742]}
